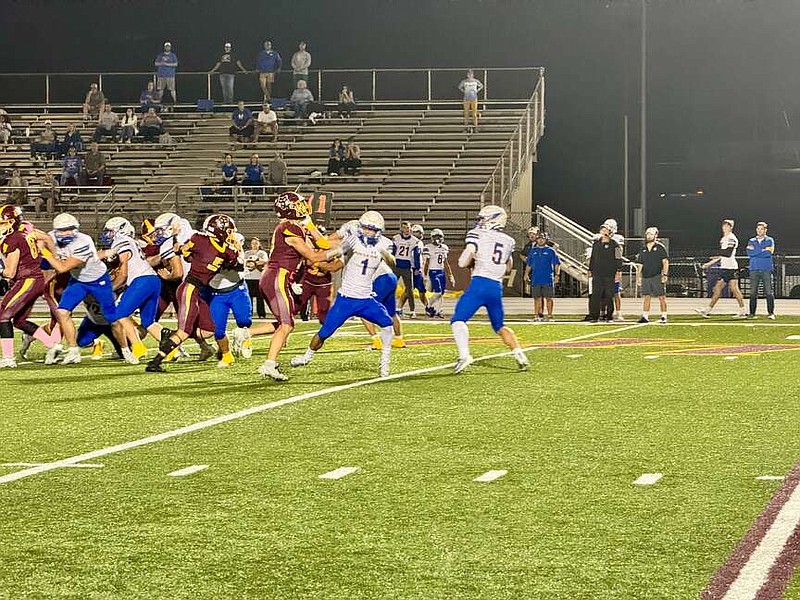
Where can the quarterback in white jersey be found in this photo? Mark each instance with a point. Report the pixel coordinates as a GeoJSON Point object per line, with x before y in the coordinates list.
{"type": "Point", "coordinates": [436, 267]}
{"type": "Point", "coordinates": [365, 251]}
{"type": "Point", "coordinates": [488, 251]}
{"type": "Point", "coordinates": [73, 252]}
{"type": "Point", "coordinates": [729, 271]}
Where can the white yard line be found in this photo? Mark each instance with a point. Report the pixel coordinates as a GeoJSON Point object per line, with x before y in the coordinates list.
{"type": "Point", "coordinates": [187, 471]}
{"type": "Point", "coordinates": [43, 468]}
{"type": "Point", "coordinates": [29, 464]}
{"type": "Point", "coordinates": [490, 476]}
{"type": "Point", "coordinates": [771, 477]}
{"type": "Point", "coordinates": [339, 473]}
{"type": "Point", "coordinates": [755, 571]}
{"type": "Point", "coordinates": [648, 478]}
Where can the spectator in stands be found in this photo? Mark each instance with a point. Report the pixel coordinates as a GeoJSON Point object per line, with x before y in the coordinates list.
{"type": "Point", "coordinates": [255, 260]}
{"type": "Point", "coordinates": [470, 88]}
{"type": "Point", "coordinates": [18, 193]}
{"type": "Point", "coordinates": [107, 125]}
{"type": "Point", "coordinates": [166, 64]}
{"type": "Point", "coordinates": [226, 65]}
{"type": "Point", "coordinates": [151, 126]}
{"type": "Point", "coordinates": [150, 97]}
{"type": "Point", "coordinates": [266, 123]}
{"type": "Point", "coordinates": [347, 103]}
{"type": "Point", "coordinates": [352, 159]}
{"type": "Point", "coordinates": [129, 126]}
{"type": "Point", "coordinates": [46, 142]}
{"type": "Point", "coordinates": [278, 171]}
{"type": "Point", "coordinates": [49, 195]}
{"type": "Point", "coordinates": [243, 128]}
{"type": "Point", "coordinates": [73, 165]}
{"type": "Point", "coordinates": [254, 172]}
{"type": "Point", "coordinates": [301, 61]}
{"type": "Point", "coordinates": [94, 166]}
{"type": "Point", "coordinates": [230, 172]}
{"type": "Point", "coordinates": [300, 99]}
{"type": "Point", "coordinates": [335, 157]}
{"type": "Point", "coordinates": [93, 103]}
{"type": "Point", "coordinates": [72, 139]}
{"type": "Point", "coordinates": [5, 129]}
{"type": "Point", "coordinates": [269, 64]}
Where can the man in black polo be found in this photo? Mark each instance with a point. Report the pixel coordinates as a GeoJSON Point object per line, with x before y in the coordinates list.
{"type": "Point", "coordinates": [605, 267]}
{"type": "Point", "coordinates": [651, 274]}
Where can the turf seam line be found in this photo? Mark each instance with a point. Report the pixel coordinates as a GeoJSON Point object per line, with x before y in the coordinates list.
{"type": "Point", "coordinates": [160, 437]}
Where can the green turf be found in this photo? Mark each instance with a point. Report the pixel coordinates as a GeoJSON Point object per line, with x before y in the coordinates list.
{"type": "Point", "coordinates": [566, 522]}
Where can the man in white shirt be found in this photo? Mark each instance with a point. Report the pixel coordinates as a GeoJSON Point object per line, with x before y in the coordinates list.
{"type": "Point", "coordinates": [267, 123]}
{"type": "Point", "coordinates": [729, 271]}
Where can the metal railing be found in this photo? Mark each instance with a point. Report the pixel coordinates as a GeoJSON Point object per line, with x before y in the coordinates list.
{"type": "Point", "coordinates": [400, 84]}
{"type": "Point", "coordinates": [519, 151]}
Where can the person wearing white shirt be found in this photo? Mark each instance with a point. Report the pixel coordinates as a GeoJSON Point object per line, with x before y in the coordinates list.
{"type": "Point", "coordinates": [267, 123]}
{"type": "Point", "coordinates": [729, 271]}
{"type": "Point", "coordinates": [470, 87]}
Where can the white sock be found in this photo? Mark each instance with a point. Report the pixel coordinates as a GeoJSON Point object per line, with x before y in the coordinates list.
{"type": "Point", "coordinates": [387, 333]}
{"type": "Point", "coordinates": [308, 355]}
{"type": "Point", "coordinates": [461, 334]}
{"type": "Point", "coordinates": [519, 354]}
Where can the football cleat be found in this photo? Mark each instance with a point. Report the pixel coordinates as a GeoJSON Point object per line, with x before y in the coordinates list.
{"type": "Point", "coordinates": [72, 356]}
{"type": "Point", "coordinates": [8, 363]}
{"type": "Point", "coordinates": [522, 361]}
{"type": "Point", "coordinates": [270, 369]}
{"type": "Point", "coordinates": [398, 342]}
{"type": "Point", "coordinates": [301, 360]}
{"type": "Point", "coordinates": [154, 368]}
{"type": "Point", "coordinates": [97, 350]}
{"type": "Point", "coordinates": [52, 355]}
{"type": "Point", "coordinates": [643, 320]}
{"type": "Point", "coordinates": [703, 312]}
{"type": "Point", "coordinates": [377, 344]}
{"type": "Point", "coordinates": [139, 350]}
{"type": "Point", "coordinates": [461, 364]}
{"type": "Point", "coordinates": [663, 319]}
{"type": "Point", "coordinates": [27, 340]}
{"type": "Point", "coordinates": [226, 361]}
{"type": "Point", "coordinates": [771, 316]}
{"type": "Point", "coordinates": [129, 357]}
{"type": "Point", "coordinates": [430, 311]}
{"type": "Point", "coordinates": [206, 352]}
{"type": "Point", "coordinates": [242, 342]}
{"type": "Point", "coordinates": [412, 315]}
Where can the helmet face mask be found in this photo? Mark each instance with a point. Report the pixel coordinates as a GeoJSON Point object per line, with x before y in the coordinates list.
{"type": "Point", "coordinates": [417, 231]}
{"type": "Point", "coordinates": [222, 228]}
{"type": "Point", "coordinates": [370, 226]}
{"type": "Point", "coordinates": [292, 206]}
{"type": "Point", "coordinates": [437, 237]}
{"type": "Point", "coordinates": [10, 219]}
{"type": "Point", "coordinates": [116, 226]}
{"type": "Point", "coordinates": [165, 227]}
{"type": "Point", "coordinates": [65, 229]}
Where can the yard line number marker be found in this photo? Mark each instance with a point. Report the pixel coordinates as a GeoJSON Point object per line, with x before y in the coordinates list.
{"type": "Point", "coordinates": [187, 471]}
{"type": "Point", "coordinates": [240, 414]}
{"type": "Point", "coordinates": [490, 476]}
{"type": "Point", "coordinates": [339, 473]}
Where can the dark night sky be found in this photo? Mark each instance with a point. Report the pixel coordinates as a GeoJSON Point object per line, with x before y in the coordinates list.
{"type": "Point", "coordinates": [722, 81]}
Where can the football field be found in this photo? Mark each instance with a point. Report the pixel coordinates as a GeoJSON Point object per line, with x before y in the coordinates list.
{"type": "Point", "coordinates": [206, 482]}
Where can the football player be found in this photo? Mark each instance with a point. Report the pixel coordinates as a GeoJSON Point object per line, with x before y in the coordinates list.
{"type": "Point", "coordinates": [436, 268]}
{"type": "Point", "coordinates": [288, 249]}
{"type": "Point", "coordinates": [142, 287]}
{"type": "Point", "coordinates": [366, 251]}
{"type": "Point", "coordinates": [21, 266]}
{"type": "Point", "coordinates": [207, 253]}
{"type": "Point", "coordinates": [316, 286]}
{"type": "Point", "coordinates": [419, 277]}
{"type": "Point", "coordinates": [488, 253]}
{"type": "Point", "coordinates": [70, 250]}
{"type": "Point", "coordinates": [405, 248]}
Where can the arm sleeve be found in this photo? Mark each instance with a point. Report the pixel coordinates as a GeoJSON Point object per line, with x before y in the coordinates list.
{"type": "Point", "coordinates": [728, 252]}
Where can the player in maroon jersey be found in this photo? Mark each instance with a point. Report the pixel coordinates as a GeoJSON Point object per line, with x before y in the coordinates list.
{"type": "Point", "coordinates": [317, 282]}
{"type": "Point", "coordinates": [22, 267]}
{"type": "Point", "coordinates": [207, 253]}
{"type": "Point", "coordinates": [290, 245]}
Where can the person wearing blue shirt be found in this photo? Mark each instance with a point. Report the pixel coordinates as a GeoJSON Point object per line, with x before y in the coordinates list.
{"type": "Point", "coordinates": [760, 250]}
{"type": "Point", "coordinates": [242, 128]}
{"type": "Point", "coordinates": [166, 64]}
{"type": "Point", "coordinates": [542, 270]}
{"type": "Point", "coordinates": [253, 173]}
{"type": "Point", "coordinates": [269, 64]}
{"type": "Point", "coordinates": [230, 172]}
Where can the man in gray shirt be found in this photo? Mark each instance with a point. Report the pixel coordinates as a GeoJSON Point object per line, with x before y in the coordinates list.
{"type": "Point", "coordinates": [107, 124]}
{"type": "Point", "coordinates": [301, 61]}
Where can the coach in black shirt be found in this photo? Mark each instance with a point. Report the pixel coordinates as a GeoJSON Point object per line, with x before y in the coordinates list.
{"type": "Point", "coordinates": [605, 267]}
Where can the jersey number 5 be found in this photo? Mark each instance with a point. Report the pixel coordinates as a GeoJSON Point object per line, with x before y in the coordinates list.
{"type": "Point", "coordinates": [497, 254]}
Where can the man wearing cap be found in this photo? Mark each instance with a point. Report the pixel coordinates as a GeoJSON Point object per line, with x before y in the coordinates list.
{"type": "Point", "coordinates": [760, 250]}
{"type": "Point", "coordinates": [226, 65]}
{"type": "Point", "coordinates": [166, 65]}
{"type": "Point", "coordinates": [605, 267]}
{"type": "Point", "coordinates": [652, 269]}
{"type": "Point", "coordinates": [729, 271]}
{"type": "Point", "coordinates": [542, 269]}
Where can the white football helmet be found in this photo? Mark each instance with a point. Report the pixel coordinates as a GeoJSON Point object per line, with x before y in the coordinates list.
{"type": "Point", "coordinates": [166, 225]}
{"type": "Point", "coordinates": [65, 226]}
{"type": "Point", "coordinates": [116, 226]}
{"type": "Point", "coordinates": [371, 225]}
{"type": "Point", "coordinates": [417, 231]}
{"type": "Point", "coordinates": [492, 217]}
{"type": "Point", "coordinates": [437, 236]}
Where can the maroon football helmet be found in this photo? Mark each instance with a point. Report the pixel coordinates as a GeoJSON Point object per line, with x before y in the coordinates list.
{"type": "Point", "coordinates": [221, 227]}
{"type": "Point", "coordinates": [290, 205]}
{"type": "Point", "coordinates": [10, 219]}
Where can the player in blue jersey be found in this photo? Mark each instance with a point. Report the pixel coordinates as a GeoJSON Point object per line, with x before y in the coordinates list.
{"type": "Point", "coordinates": [365, 252]}
{"type": "Point", "coordinates": [488, 253]}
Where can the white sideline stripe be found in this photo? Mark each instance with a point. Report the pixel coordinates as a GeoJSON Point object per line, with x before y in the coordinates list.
{"type": "Point", "coordinates": [187, 471]}
{"type": "Point", "coordinates": [651, 357]}
{"type": "Point", "coordinates": [793, 337]}
{"type": "Point", "coordinates": [731, 358]}
{"type": "Point", "coordinates": [490, 476]}
{"type": "Point", "coordinates": [30, 464]}
{"type": "Point", "coordinates": [339, 473]}
{"type": "Point", "coordinates": [152, 439]}
{"type": "Point", "coordinates": [756, 570]}
{"type": "Point", "coordinates": [574, 355]}
{"type": "Point", "coordinates": [770, 478]}
{"type": "Point", "coordinates": [648, 478]}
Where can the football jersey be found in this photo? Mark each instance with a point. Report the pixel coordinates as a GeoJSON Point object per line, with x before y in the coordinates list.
{"type": "Point", "coordinates": [492, 249]}
{"type": "Point", "coordinates": [436, 256]}
{"type": "Point", "coordinates": [405, 250]}
{"type": "Point", "coordinates": [82, 248]}
{"type": "Point", "coordinates": [362, 263]}
{"type": "Point", "coordinates": [351, 228]}
{"type": "Point", "coordinates": [207, 256]}
{"type": "Point", "coordinates": [727, 242]}
{"type": "Point", "coordinates": [29, 264]}
{"type": "Point", "coordinates": [168, 248]}
{"type": "Point", "coordinates": [137, 264]}
{"type": "Point", "coordinates": [281, 254]}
